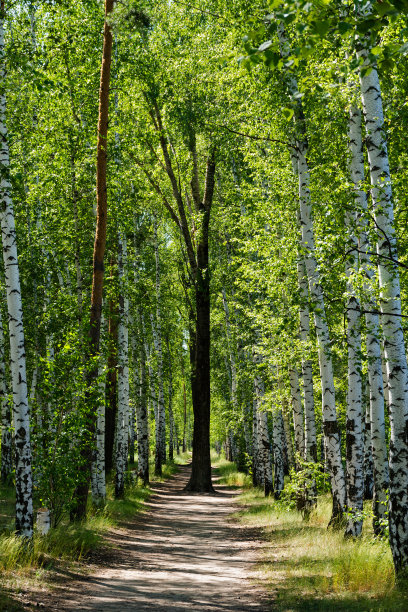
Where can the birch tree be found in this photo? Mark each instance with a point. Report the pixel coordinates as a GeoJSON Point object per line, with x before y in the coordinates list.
{"type": "Point", "coordinates": [23, 469]}
{"type": "Point", "coordinates": [390, 303]}
{"type": "Point", "coordinates": [374, 361]}
{"type": "Point", "coordinates": [6, 437]}
{"type": "Point", "coordinates": [330, 425]}
{"type": "Point", "coordinates": [122, 421]}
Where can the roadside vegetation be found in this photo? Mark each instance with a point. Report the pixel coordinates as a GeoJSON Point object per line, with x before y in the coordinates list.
{"type": "Point", "coordinates": [307, 566]}
{"type": "Point", "coordinates": [69, 545]}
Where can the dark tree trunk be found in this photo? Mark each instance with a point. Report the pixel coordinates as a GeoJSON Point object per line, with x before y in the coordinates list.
{"type": "Point", "coordinates": [200, 479]}
{"type": "Point", "coordinates": [196, 243]}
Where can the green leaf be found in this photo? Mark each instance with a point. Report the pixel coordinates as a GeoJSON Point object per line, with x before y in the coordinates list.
{"type": "Point", "coordinates": [265, 45]}
{"type": "Point", "coordinates": [384, 8]}
{"type": "Point", "coordinates": [287, 113]}
{"type": "Point", "coordinates": [344, 26]}
{"type": "Point", "coordinates": [322, 27]}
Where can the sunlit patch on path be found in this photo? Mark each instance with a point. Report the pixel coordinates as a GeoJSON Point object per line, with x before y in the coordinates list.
{"type": "Point", "coordinates": [184, 553]}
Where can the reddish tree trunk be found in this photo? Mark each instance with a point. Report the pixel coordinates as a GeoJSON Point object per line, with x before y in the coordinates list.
{"type": "Point", "coordinates": [87, 442]}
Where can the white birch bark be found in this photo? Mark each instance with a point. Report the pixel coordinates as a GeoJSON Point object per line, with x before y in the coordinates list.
{"type": "Point", "coordinates": [142, 418]}
{"type": "Point", "coordinates": [278, 459]}
{"type": "Point", "coordinates": [354, 420]}
{"type": "Point", "coordinates": [384, 376]}
{"type": "Point", "coordinates": [263, 442]}
{"type": "Point", "coordinates": [368, 457]}
{"type": "Point", "coordinates": [172, 431]}
{"type": "Point", "coordinates": [160, 414]}
{"type": "Point", "coordinates": [354, 424]}
{"type": "Point", "coordinates": [157, 338]}
{"type": "Point", "coordinates": [23, 476]}
{"type": "Point", "coordinates": [233, 365]}
{"type": "Point", "coordinates": [297, 409]}
{"type": "Point", "coordinates": [6, 437]}
{"type": "Point", "coordinates": [257, 474]}
{"type": "Point", "coordinates": [307, 369]}
{"type": "Point", "coordinates": [374, 361]}
{"type": "Point", "coordinates": [330, 425]}
{"type": "Point", "coordinates": [390, 304]}
{"type": "Point", "coordinates": [122, 422]}
{"type": "Point", "coordinates": [98, 481]}
{"type": "Point", "coordinates": [288, 435]}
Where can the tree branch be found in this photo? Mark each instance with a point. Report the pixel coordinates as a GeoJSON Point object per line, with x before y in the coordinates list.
{"type": "Point", "coordinates": [262, 138]}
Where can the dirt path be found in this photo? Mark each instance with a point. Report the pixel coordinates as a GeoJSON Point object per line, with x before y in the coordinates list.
{"type": "Point", "coordinates": [184, 553]}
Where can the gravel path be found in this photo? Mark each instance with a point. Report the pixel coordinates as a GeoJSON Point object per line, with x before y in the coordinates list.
{"type": "Point", "coordinates": [184, 553]}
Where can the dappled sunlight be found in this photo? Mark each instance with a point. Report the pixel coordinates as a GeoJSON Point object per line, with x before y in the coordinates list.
{"type": "Point", "coordinates": [184, 552]}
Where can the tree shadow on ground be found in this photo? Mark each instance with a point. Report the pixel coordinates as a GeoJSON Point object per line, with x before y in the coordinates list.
{"type": "Point", "coordinates": [9, 603]}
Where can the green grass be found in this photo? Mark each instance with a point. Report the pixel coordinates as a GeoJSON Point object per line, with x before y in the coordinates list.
{"type": "Point", "coordinates": [68, 543]}
{"type": "Point", "coordinates": [308, 567]}
{"type": "Point", "coordinates": [227, 473]}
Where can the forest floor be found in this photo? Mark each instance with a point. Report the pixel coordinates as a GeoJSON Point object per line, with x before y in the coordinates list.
{"type": "Point", "coordinates": [182, 553]}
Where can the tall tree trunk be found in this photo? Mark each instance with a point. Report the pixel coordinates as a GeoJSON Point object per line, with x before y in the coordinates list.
{"type": "Point", "coordinates": [257, 473]}
{"type": "Point", "coordinates": [200, 480]}
{"type": "Point", "coordinates": [278, 459]}
{"type": "Point", "coordinates": [81, 492]}
{"type": "Point", "coordinates": [157, 337]}
{"type": "Point", "coordinates": [132, 432]}
{"type": "Point", "coordinates": [368, 457]}
{"type": "Point", "coordinates": [374, 362]}
{"type": "Point", "coordinates": [184, 417]}
{"type": "Point", "coordinates": [111, 384]}
{"type": "Point", "coordinates": [6, 438]}
{"type": "Point", "coordinates": [330, 425]}
{"type": "Point", "coordinates": [23, 474]}
{"type": "Point", "coordinates": [122, 420]}
{"type": "Point", "coordinates": [288, 435]}
{"type": "Point", "coordinates": [390, 304]}
{"type": "Point", "coordinates": [160, 413]}
{"type": "Point", "coordinates": [354, 420]}
{"type": "Point", "coordinates": [98, 467]}
{"type": "Point", "coordinates": [307, 370]}
{"type": "Point", "coordinates": [196, 244]}
{"type": "Point", "coordinates": [142, 417]}
{"type": "Point", "coordinates": [297, 409]}
{"type": "Point", "coordinates": [172, 430]}
{"type": "Point", "coordinates": [263, 442]}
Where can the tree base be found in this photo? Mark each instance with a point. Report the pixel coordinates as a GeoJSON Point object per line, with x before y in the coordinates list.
{"type": "Point", "coordinates": [199, 487]}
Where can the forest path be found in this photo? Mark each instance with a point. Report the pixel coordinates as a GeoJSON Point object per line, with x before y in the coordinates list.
{"type": "Point", "coordinates": [184, 553]}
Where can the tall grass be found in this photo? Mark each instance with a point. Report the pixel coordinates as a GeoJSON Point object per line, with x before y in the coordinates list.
{"type": "Point", "coordinates": [227, 473]}
{"type": "Point", "coordinates": [71, 542]}
{"type": "Point", "coordinates": [310, 567]}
